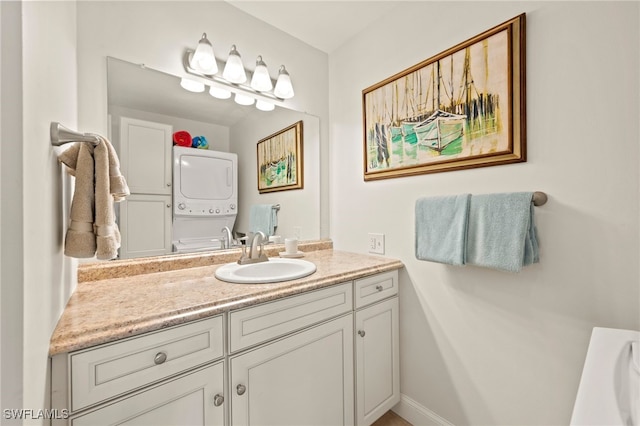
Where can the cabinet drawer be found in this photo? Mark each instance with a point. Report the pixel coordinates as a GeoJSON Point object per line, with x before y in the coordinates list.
{"type": "Point", "coordinates": [248, 327]}
{"type": "Point", "coordinates": [113, 369]}
{"type": "Point", "coordinates": [374, 288]}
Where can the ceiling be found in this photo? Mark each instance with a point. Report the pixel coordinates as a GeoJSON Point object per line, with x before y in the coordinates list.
{"type": "Point", "coordinates": [325, 25]}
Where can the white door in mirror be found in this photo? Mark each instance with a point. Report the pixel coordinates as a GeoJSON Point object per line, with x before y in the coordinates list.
{"type": "Point", "coordinates": [275, 270]}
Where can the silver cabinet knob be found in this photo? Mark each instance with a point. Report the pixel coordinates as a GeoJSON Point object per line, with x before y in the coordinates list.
{"type": "Point", "coordinates": [168, 183]}
{"type": "Point", "coordinates": [168, 205]}
{"type": "Point", "coordinates": [379, 288]}
{"type": "Point", "coordinates": [241, 389]}
{"type": "Point", "coordinates": [181, 206]}
{"type": "Point", "coordinates": [160, 358]}
{"type": "Point", "coordinates": [361, 333]}
{"type": "Point", "coordinates": [218, 400]}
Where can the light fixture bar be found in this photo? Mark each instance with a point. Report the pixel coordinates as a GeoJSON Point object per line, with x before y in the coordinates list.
{"type": "Point", "coordinates": [233, 87]}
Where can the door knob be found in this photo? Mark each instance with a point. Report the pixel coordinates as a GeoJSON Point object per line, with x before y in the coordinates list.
{"type": "Point", "coordinates": [361, 333]}
{"type": "Point", "coordinates": [218, 400]}
{"type": "Point", "coordinates": [241, 389]}
{"type": "Point", "coordinates": [160, 358]}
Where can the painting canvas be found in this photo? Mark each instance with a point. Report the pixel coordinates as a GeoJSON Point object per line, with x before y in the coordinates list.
{"type": "Point", "coordinates": [280, 160]}
{"type": "Point", "coordinates": [462, 108]}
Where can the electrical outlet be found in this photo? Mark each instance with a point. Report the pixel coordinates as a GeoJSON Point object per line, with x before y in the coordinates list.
{"type": "Point", "coordinates": [376, 243]}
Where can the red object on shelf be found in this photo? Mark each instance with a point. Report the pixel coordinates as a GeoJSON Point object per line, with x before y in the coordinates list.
{"type": "Point", "coordinates": [182, 138]}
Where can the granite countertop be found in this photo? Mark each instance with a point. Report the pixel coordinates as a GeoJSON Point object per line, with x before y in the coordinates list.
{"type": "Point", "coordinates": [109, 309]}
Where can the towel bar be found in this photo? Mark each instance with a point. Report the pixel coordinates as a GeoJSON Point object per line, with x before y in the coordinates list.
{"type": "Point", "coordinates": [60, 135]}
{"type": "Point", "coordinates": [539, 198]}
{"type": "Point", "coordinates": [276, 207]}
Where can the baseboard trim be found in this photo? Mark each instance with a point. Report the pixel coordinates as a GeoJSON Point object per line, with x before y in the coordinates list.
{"type": "Point", "coordinates": [417, 414]}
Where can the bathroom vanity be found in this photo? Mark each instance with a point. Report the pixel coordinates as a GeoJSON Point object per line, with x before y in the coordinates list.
{"type": "Point", "coordinates": [182, 347]}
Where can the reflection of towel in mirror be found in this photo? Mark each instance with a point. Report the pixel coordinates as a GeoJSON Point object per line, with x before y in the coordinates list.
{"type": "Point", "coordinates": [93, 231]}
{"type": "Point", "coordinates": [263, 217]}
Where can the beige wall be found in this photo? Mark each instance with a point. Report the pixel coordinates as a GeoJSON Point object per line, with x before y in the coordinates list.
{"type": "Point", "coordinates": [479, 346]}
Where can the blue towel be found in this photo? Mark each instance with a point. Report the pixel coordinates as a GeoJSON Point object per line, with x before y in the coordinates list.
{"type": "Point", "coordinates": [502, 232]}
{"type": "Point", "coordinates": [441, 228]}
{"type": "Point", "coordinates": [263, 217]}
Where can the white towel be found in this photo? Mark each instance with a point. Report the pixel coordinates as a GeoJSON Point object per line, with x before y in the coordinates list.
{"type": "Point", "coordinates": [93, 231]}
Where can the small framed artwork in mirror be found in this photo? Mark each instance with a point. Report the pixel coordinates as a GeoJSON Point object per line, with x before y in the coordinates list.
{"type": "Point", "coordinates": [279, 157]}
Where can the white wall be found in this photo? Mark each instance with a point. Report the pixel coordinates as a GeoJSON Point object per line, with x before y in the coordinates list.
{"type": "Point", "coordinates": [38, 86]}
{"type": "Point", "coordinates": [480, 346]}
{"type": "Point", "coordinates": [217, 136]}
{"type": "Point", "coordinates": [299, 214]}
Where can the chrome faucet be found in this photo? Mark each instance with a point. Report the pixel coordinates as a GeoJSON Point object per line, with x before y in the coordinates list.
{"type": "Point", "coordinates": [227, 241]}
{"type": "Point", "coordinates": [255, 254]}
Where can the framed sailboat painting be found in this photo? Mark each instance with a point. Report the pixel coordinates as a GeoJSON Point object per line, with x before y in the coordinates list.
{"type": "Point", "coordinates": [280, 160]}
{"type": "Point", "coordinates": [460, 109]}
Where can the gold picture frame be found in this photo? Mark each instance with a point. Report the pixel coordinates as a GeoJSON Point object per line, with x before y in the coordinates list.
{"type": "Point", "coordinates": [279, 158]}
{"type": "Point", "coordinates": [460, 109]}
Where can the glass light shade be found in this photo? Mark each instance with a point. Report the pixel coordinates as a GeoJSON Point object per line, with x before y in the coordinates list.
{"type": "Point", "coordinates": [244, 99]}
{"type": "Point", "coordinates": [203, 59]}
{"type": "Point", "coordinates": [261, 80]}
{"type": "Point", "coordinates": [191, 85]}
{"type": "Point", "coordinates": [233, 69]}
{"type": "Point", "coordinates": [284, 88]}
{"type": "Point", "coordinates": [219, 93]}
{"type": "Point", "coordinates": [264, 105]}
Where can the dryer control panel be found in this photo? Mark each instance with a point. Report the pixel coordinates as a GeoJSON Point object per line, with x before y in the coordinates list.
{"type": "Point", "coordinates": [204, 209]}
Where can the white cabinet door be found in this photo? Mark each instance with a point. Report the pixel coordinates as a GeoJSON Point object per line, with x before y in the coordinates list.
{"type": "Point", "coordinates": [303, 379]}
{"type": "Point", "coordinates": [377, 360]}
{"type": "Point", "coordinates": [191, 399]}
{"type": "Point", "coordinates": [145, 155]}
{"type": "Point", "coordinates": [145, 225]}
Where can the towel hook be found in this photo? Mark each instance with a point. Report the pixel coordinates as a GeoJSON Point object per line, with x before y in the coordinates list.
{"type": "Point", "coordinates": [539, 198]}
{"type": "Point", "coordinates": [60, 135]}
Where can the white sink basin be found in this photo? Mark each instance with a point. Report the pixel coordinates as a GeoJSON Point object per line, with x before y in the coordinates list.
{"type": "Point", "coordinates": [275, 270]}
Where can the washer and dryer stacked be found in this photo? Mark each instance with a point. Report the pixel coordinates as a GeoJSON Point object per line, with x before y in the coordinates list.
{"type": "Point", "coordinates": [205, 197]}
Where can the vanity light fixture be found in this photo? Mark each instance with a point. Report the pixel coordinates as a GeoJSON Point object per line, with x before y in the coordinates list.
{"type": "Point", "coordinates": [261, 81]}
{"type": "Point", "coordinates": [203, 58]}
{"type": "Point", "coordinates": [248, 87]}
{"type": "Point", "coordinates": [283, 89]}
{"type": "Point", "coordinates": [234, 70]}
{"type": "Point", "coordinates": [192, 85]}
{"type": "Point", "coordinates": [243, 99]}
{"type": "Point", "coordinates": [219, 93]}
{"type": "Point", "coordinates": [264, 105]}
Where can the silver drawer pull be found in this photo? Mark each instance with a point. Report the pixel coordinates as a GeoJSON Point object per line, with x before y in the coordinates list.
{"type": "Point", "coordinates": [361, 333]}
{"type": "Point", "coordinates": [160, 358]}
{"type": "Point", "coordinates": [218, 400]}
{"type": "Point", "coordinates": [241, 389]}
{"type": "Point", "coordinates": [379, 287]}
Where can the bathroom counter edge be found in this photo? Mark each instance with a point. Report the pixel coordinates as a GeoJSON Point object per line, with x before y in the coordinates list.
{"type": "Point", "coordinates": [112, 309]}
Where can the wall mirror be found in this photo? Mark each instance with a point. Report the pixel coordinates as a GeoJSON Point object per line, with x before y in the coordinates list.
{"type": "Point", "coordinates": [139, 93]}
